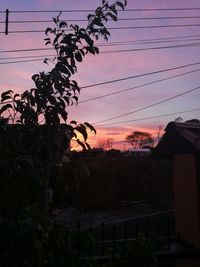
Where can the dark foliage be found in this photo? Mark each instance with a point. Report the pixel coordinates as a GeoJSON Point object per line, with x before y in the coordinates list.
{"type": "Point", "coordinates": [31, 154]}
{"type": "Point", "coordinates": [124, 179]}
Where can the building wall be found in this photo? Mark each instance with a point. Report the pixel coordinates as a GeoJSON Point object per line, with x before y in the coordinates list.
{"type": "Point", "coordinates": [187, 204]}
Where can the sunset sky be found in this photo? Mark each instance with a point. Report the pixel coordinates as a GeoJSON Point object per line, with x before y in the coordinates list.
{"type": "Point", "coordinates": [162, 35]}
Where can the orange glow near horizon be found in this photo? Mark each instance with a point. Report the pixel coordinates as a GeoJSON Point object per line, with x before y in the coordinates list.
{"type": "Point", "coordinates": [118, 138]}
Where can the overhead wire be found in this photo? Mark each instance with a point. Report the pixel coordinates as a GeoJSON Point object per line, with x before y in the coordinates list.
{"type": "Point", "coordinates": [22, 61]}
{"type": "Point", "coordinates": [124, 51]}
{"type": "Point", "coordinates": [150, 117]}
{"type": "Point", "coordinates": [138, 86]}
{"type": "Point", "coordinates": [22, 57]}
{"type": "Point", "coordinates": [119, 19]}
{"type": "Point", "coordinates": [104, 51]}
{"type": "Point", "coordinates": [150, 48]}
{"type": "Point", "coordinates": [135, 76]}
{"type": "Point", "coordinates": [116, 28]}
{"type": "Point", "coordinates": [140, 75]}
{"type": "Point", "coordinates": [25, 50]}
{"type": "Point", "coordinates": [149, 106]}
{"type": "Point", "coordinates": [121, 51]}
{"type": "Point", "coordinates": [154, 26]}
{"type": "Point", "coordinates": [174, 39]}
{"type": "Point", "coordinates": [92, 10]}
{"type": "Point", "coordinates": [145, 42]}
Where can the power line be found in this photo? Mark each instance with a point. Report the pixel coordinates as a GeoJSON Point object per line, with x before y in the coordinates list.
{"type": "Point", "coordinates": [119, 19]}
{"type": "Point", "coordinates": [149, 106]}
{"type": "Point", "coordinates": [22, 61]}
{"type": "Point", "coordinates": [168, 38]}
{"type": "Point", "coordinates": [132, 77]}
{"type": "Point", "coordinates": [25, 50]}
{"type": "Point", "coordinates": [146, 42]}
{"type": "Point", "coordinates": [118, 28]}
{"type": "Point", "coordinates": [140, 75]}
{"type": "Point", "coordinates": [50, 11]}
{"type": "Point", "coordinates": [138, 86]}
{"type": "Point", "coordinates": [152, 117]}
{"type": "Point", "coordinates": [92, 10]}
{"type": "Point", "coordinates": [112, 43]}
{"type": "Point", "coordinates": [111, 51]}
{"type": "Point", "coordinates": [21, 57]}
{"type": "Point", "coordinates": [150, 48]}
{"type": "Point", "coordinates": [126, 50]}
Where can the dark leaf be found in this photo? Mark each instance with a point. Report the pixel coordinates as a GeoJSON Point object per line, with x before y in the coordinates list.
{"type": "Point", "coordinates": [62, 102]}
{"type": "Point", "coordinates": [113, 9]}
{"type": "Point", "coordinates": [81, 144]}
{"type": "Point", "coordinates": [73, 122]}
{"type": "Point", "coordinates": [63, 113]}
{"type": "Point", "coordinates": [98, 22]}
{"type": "Point", "coordinates": [87, 145]}
{"type": "Point", "coordinates": [96, 49]}
{"type": "Point", "coordinates": [62, 24]}
{"type": "Point", "coordinates": [78, 56]}
{"type": "Point", "coordinates": [19, 121]}
{"type": "Point", "coordinates": [75, 86]}
{"type": "Point", "coordinates": [55, 20]}
{"type": "Point", "coordinates": [45, 61]}
{"type": "Point", "coordinates": [6, 97]}
{"type": "Point", "coordinates": [73, 134]}
{"type": "Point", "coordinates": [73, 64]}
{"type": "Point", "coordinates": [6, 94]}
{"type": "Point", "coordinates": [89, 16]}
{"type": "Point", "coordinates": [113, 17]}
{"type": "Point", "coordinates": [82, 129]}
{"type": "Point", "coordinates": [69, 129]}
{"type": "Point", "coordinates": [90, 127]}
{"type": "Point", "coordinates": [35, 77]}
{"type": "Point", "coordinates": [48, 30]}
{"type": "Point", "coordinates": [71, 68]}
{"type": "Point", "coordinates": [48, 42]}
{"type": "Point", "coordinates": [82, 52]}
{"type": "Point", "coordinates": [57, 37]}
{"type": "Point", "coordinates": [5, 107]}
{"type": "Point", "coordinates": [66, 99]}
{"type": "Point", "coordinates": [76, 98]}
{"type": "Point", "coordinates": [88, 40]}
{"type": "Point", "coordinates": [32, 100]}
{"type": "Point", "coordinates": [61, 67]}
{"type": "Point", "coordinates": [52, 100]}
{"type": "Point", "coordinates": [120, 5]}
{"type": "Point", "coordinates": [91, 50]}
{"type": "Point", "coordinates": [16, 95]}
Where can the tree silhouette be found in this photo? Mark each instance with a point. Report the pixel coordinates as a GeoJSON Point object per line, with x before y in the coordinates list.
{"type": "Point", "coordinates": [55, 90]}
{"type": "Point", "coordinates": [140, 139]}
{"type": "Point", "coordinates": [31, 154]}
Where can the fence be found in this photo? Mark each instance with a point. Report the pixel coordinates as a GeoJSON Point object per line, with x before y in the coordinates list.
{"type": "Point", "coordinates": [145, 238]}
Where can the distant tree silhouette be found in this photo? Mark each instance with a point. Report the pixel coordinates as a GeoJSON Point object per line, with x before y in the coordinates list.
{"type": "Point", "coordinates": [105, 143]}
{"type": "Point", "coordinates": [159, 133]}
{"type": "Point", "coordinates": [140, 139]}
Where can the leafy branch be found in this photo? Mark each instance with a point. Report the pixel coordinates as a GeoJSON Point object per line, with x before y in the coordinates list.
{"type": "Point", "coordinates": [55, 90]}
